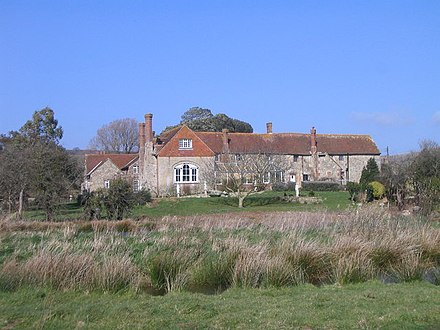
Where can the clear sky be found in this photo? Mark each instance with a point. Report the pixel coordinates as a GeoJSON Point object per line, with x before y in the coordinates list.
{"type": "Point", "coordinates": [361, 67]}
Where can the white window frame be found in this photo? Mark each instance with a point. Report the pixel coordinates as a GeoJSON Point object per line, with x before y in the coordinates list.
{"type": "Point", "coordinates": [135, 169]}
{"type": "Point", "coordinates": [186, 173]}
{"type": "Point", "coordinates": [266, 177]}
{"type": "Point", "coordinates": [106, 184]}
{"type": "Point", "coordinates": [136, 186]}
{"type": "Point", "coordinates": [185, 144]}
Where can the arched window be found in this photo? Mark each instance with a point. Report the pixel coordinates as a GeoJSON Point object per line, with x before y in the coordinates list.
{"type": "Point", "coordinates": [186, 173]}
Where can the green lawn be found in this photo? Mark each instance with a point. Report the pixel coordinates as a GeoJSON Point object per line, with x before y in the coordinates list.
{"type": "Point", "coordinates": [369, 305]}
{"type": "Point", "coordinates": [265, 202]}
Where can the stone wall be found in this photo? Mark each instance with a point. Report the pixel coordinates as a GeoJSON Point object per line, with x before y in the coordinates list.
{"type": "Point", "coordinates": [167, 185]}
{"type": "Point", "coordinates": [158, 175]}
{"type": "Point", "coordinates": [148, 171]}
{"type": "Point", "coordinates": [107, 171]}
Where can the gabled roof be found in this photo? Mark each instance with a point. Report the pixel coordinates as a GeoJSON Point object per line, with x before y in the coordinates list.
{"type": "Point", "coordinates": [339, 144]}
{"type": "Point", "coordinates": [121, 161]}
{"type": "Point", "coordinates": [290, 143]}
{"type": "Point", "coordinates": [199, 149]}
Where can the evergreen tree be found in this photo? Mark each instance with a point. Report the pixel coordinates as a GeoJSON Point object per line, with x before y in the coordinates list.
{"type": "Point", "coordinates": [370, 172]}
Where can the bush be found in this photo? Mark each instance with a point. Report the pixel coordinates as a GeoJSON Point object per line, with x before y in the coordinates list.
{"type": "Point", "coordinates": [279, 186]}
{"type": "Point", "coordinates": [354, 189]}
{"type": "Point", "coordinates": [321, 186]}
{"type": "Point", "coordinates": [142, 197]}
{"type": "Point", "coordinates": [117, 201]}
{"type": "Point", "coordinates": [377, 189]}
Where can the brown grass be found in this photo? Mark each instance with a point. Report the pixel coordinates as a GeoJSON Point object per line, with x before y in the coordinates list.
{"type": "Point", "coordinates": [240, 250]}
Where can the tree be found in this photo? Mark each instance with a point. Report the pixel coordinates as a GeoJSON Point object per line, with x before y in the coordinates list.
{"type": "Point", "coordinates": [425, 174]}
{"type": "Point", "coordinates": [34, 164]}
{"type": "Point", "coordinates": [202, 120]}
{"type": "Point", "coordinates": [196, 113]}
{"type": "Point", "coordinates": [369, 173]}
{"type": "Point", "coordinates": [243, 175]}
{"type": "Point", "coordinates": [120, 136]}
{"type": "Point", "coordinates": [14, 176]}
{"type": "Point", "coordinates": [43, 127]}
{"type": "Point", "coordinates": [417, 175]}
{"type": "Point", "coordinates": [394, 176]}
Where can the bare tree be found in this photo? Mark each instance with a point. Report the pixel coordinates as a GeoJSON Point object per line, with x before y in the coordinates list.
{"type": "Point", "coordinates": [120, 136]}
{"type": "Point", "coordinates": [245, 174]}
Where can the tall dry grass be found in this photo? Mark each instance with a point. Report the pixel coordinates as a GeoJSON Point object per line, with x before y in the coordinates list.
{"type": "Point", "coordinates": [221, 251]}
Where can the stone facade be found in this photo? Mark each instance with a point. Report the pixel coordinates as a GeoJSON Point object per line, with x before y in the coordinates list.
{"type": "Point", "coordinates": [311, 157]}
{"type": "Point", "coordinates": [101, 169]}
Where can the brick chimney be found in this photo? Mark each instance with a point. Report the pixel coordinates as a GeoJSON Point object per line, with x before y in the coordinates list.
{"type": "Point", "coordinates": [269, 128]}
{"type": "Point", "coordinates": [314, 152]}
{"type": "Point", "coordinates": [148, 127]}
{"type": "Point", "coordinates": [313, 143]}
{"type": "Point", "coordinates": [141, 135]}
{"type": "Point", "coordinates": [225, 139]}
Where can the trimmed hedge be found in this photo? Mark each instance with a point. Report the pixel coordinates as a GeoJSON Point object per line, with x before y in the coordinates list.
{"type": "Point", "coordinates": [281, 186]}
{"type": "Point", "coordinates": [321, 186]}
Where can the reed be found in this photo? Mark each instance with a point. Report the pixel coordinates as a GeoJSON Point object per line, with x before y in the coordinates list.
{"type": "Point", "coordinates": [219, 251]}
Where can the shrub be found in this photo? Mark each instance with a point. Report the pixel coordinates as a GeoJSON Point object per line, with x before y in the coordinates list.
{"type": "Point", "coordinates": [370, 172]}
{"type": "Point", "coordinates": [279, 186]}
{"type": "Point", "coordinates": [117, 201]}
{"type": "Point", "coordinates": [378, 189]}
{"type": "Point", "coordinates": [354, 189]}
{"type": "Point", "coordinates": [142, 196]}
{"type": "Point", "coordinates": [321, 186]}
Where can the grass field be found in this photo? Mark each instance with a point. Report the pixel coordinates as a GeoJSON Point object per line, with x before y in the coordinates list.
{"type": "Point", "coordinates": [195, 263]}
{"type": "Point", "coordinates": [369, 305]}
{"type": "Point", "coordinates": [265, 202]}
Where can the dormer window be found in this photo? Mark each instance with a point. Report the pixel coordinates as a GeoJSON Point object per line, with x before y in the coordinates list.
{"type": "Point", "coordinates": [185, 144]}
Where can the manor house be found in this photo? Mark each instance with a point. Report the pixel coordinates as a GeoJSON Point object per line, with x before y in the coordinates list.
{"type": "Point", "coordinates": [182, 160]}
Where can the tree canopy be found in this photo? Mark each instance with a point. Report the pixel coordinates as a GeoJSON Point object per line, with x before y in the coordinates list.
{"type": "Point", "coordinates": [202, 120]}
{"type": "Point", "coordinates": [196, 113]}
{"type": "Point", "coordinates": [33, 164]}
{"type": "Point", "coordinates": [370, 172]}
{"type": "Point", "coordinates": [43, 127]}
{"type": "Point", "coordinates": [119, 136]}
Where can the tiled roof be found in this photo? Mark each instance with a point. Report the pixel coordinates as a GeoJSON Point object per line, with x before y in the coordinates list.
{"type": "Point", "coordinates": [167, 135]}
{"type": "Point", "coordinates": [290, 143]}
{"type": "Point", "coordinates": [120, 160]}
{"type": "Point", "coordinates": [336, 144]}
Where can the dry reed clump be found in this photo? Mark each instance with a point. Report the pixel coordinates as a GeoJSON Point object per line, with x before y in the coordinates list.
{"type": "Point", "coordinates": [310, 261]}
{"type": "Point", "coordinates": [229, 251]}
{"type": "Point", "coordinates": [69, 272]}
{"type": "Point", "coordinates": [251, 267]}
{"type": "Point", "coordinates": [168, 269]}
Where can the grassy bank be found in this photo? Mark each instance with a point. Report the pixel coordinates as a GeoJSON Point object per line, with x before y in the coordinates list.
{"type": "Point", "coordinates": [369, 305]}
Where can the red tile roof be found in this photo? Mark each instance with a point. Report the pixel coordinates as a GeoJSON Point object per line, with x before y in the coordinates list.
{"type": "Point", "coordinates": [290, 143]}
{"type": "Point", "coordinates": [120, 160]}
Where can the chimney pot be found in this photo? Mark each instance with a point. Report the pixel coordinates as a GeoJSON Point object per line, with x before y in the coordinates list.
{"type": "Point", "coordinates": [269, 128]}
{"type": "Point", "coordinates": [149, 127]}
{"type": "Point", "coordinates": [313, 142]}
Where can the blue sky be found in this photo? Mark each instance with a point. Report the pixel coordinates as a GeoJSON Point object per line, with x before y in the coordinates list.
{"type": "Point", "coordinates": [361, 67]}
